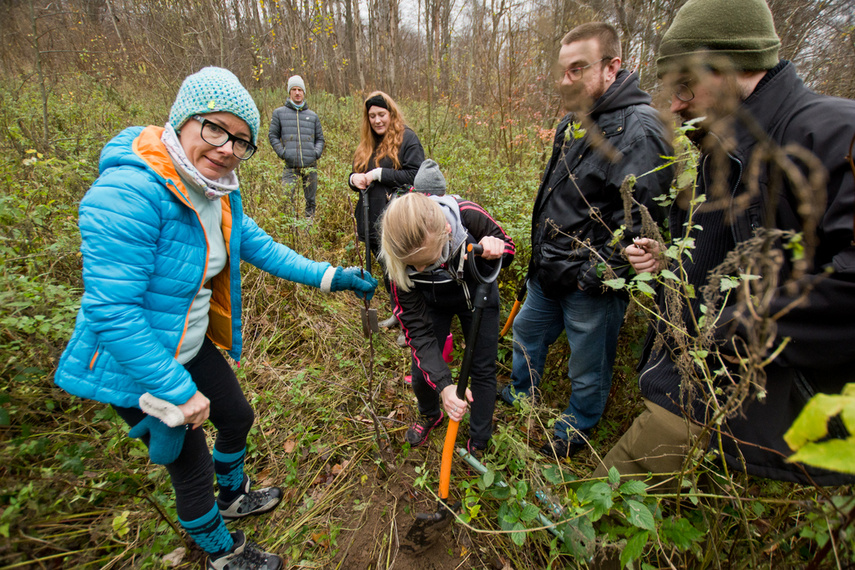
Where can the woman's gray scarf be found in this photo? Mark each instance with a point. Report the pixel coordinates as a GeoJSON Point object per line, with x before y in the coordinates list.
{"type": "Point", "coordinates": [213, 189]}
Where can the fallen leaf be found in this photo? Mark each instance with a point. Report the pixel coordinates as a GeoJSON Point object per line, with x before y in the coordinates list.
{"type": "Point", "coordinates": [321, 539]}
{"type": "Point", "coordinates": [175, 557]}
{"type": "Point", "coordinates": [289, 446]}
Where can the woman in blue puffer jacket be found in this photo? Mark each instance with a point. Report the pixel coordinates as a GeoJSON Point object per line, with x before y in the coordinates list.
{"type": "Point", "coordinates": [163, 233]}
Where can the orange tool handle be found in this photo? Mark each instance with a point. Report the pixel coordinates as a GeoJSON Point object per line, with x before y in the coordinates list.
{"type": "Point", "coordinates": [447, 455]}
{"type": "Point", "coordinates": [510, 321]}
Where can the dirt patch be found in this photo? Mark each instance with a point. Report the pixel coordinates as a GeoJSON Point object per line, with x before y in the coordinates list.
{"type": "Point", "coordinates": [383, 510]}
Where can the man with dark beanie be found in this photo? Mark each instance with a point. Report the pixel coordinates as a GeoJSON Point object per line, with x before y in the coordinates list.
{"type": "Point", "coordinates": [609, 134]}
{"type": "Point", "coordinates": [772, 166]}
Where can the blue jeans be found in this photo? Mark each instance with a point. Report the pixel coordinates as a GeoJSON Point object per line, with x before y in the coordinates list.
{"type": "Point", "coordinates": [592, 324]}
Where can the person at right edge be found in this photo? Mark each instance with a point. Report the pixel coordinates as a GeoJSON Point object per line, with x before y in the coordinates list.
{"type": "Point", "coordinates": [611, 132]}
{"type": "Point", "coordinates": [719, 60]}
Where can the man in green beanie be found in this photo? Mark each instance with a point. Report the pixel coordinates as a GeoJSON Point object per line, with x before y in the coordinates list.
{"type": "Point", "coordinates": [772, 166]}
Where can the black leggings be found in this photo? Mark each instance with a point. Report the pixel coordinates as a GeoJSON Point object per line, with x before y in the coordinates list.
{"type": "Point", "coordinates": [482, 377]}
{"type": "Point", "coordinates": [192, 473]}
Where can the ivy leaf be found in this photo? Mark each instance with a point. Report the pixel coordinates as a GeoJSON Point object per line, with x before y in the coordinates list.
{"type": "Point", "coordinates": [667, 274]}
{"type": "Point", "coordinates": [633, 488]}
{"type": "Point", "coordinates": [529, 513]}
{"type": "Point", "coordinates": [618, 283]}
{"type": "Point", "coordinates": [646, 289]}
{"type": "Point", "coordinates": [685, 179]}
{"type": "Point", "coordinates": [553, 475]}
{"type": "Point", "coordinates": [599, 496]}
{"type": "Point", "coordinates": [639, 515]}
{"type": "Point", "coordinates": [120, 524]}
{"type": "Point", "coordinates": [614, 476]}
{"type": "Point", "coordinates": [579, 537]}
{"type": "Point", "coordinates": [812, 422]}
{"type": "Point", "coordinates": [489, 477]}
{"type": "Point", "coordinates": [518, 537]}
{"type": "Point", "coordinates": [728, 283]}
{"type": "Point", "coordinates": [680, 532]}
{"type": "Point", "coordinates": [633, 549]}
{"type": "Point", "coordinates": [834, 454]}
{"type": "Point", "coordinates": [646, 276]}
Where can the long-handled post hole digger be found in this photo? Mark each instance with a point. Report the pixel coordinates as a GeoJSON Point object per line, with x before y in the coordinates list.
{"type": "Point", "coordinates": [423, 531]}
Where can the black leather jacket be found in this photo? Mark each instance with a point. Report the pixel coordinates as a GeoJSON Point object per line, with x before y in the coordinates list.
{"type": "Point", "coordinates": [580, 177]}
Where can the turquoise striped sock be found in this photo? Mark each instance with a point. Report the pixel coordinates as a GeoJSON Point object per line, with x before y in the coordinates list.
{"type": "Point", "coordinates": [210, 533]}
{"type": "Point", "coordinates": [230, 475]}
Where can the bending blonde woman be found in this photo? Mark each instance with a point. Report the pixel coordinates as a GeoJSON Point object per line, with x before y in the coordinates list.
{"type": "Point", "coordinates": [423, 241]}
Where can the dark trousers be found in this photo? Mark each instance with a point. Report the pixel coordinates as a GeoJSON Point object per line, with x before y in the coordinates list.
{"type": "Point", "coordinates": [308, 177]}
{"type": "Point", "coordinates": [192, 473]}
{"type": "Point", "coordinates": [482, 379]}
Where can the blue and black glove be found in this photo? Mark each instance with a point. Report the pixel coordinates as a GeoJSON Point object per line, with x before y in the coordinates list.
{"type": "Point", "coordinates": [164, 442]}
{"type": "Point", "coordinates": [354, 279]}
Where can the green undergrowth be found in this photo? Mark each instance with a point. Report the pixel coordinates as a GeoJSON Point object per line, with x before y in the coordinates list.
{"type": "Point", "coordinates": [77, 493]}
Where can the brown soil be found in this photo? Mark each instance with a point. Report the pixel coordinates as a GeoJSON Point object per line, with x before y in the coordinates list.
{"type": "Point", "coordinates": [385, 512]}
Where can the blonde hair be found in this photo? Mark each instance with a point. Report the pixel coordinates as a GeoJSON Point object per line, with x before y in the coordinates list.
{"type": "Point", "coordinates": [388, 146]}
{"type": "Point", "coordinates": [411, 224]}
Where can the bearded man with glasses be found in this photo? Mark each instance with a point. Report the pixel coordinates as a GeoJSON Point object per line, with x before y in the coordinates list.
{"type": "Point", "coordinates": [610, 132]}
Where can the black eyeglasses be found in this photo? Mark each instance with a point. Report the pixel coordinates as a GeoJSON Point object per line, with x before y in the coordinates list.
{"type": "Point", "coordinates": [576, 73]}
{"type": "Point", "coordinates": [683, 92]}
{"type": "Point", "coordinates": [215, 135]}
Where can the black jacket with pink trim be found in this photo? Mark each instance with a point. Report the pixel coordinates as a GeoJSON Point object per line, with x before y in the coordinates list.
{"type": "Point", "coordinates": [451, 284]}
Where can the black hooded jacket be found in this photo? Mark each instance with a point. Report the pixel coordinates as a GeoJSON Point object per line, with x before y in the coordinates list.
{"type": "Point", "coordinates": [583, 179]}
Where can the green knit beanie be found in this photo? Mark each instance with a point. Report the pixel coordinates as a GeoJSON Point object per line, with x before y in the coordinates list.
{"type": "Point", "coordinates": [210, 90]}
{"type": "Point", "coordinates": [743, 31]}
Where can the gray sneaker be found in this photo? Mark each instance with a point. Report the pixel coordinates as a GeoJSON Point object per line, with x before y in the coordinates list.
{"type": "Point", "coordinates": [245, 556]}
{"type": "Point", "coordinates": [249, 502]}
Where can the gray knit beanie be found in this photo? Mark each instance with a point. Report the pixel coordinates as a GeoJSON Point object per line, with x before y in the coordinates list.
{"type": "Point", "coordinates": [742, 31]}
{"type": "Point", "coordinates": [296, 81]}
{"type": "Point", "coordinates": [429, 179]}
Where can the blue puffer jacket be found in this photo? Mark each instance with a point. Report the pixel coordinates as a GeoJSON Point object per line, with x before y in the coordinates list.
{"type": "Point", "coordinates": [144, 258]}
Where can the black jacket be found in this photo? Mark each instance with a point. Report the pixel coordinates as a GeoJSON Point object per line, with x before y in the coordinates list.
{"type": "Point", "coordinates": [444, 287]}
{"type": "Point", "coordinates": [410, 155]}
{"type": "Point", "coordinates": [296, 135]}
{"type": "Point", "coordinates": [581, 177]}
{"type": "Point", "coordinates": [820, 356]}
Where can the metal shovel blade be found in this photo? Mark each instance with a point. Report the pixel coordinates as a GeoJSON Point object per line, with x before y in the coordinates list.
{"type": "Point", "coordinates": [369, 321]}
{"type": "Point", "coordinates": [427, 529]}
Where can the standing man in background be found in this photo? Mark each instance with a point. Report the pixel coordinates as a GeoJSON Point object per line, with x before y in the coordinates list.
{"type": "Point", "coordinates": [297, 137]}
{"type": "Point", "coordinates": [609, 133]}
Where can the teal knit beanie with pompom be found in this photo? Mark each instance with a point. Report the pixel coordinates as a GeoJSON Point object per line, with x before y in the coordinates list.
{"type": "Point", "coordinates": [210, 90]}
